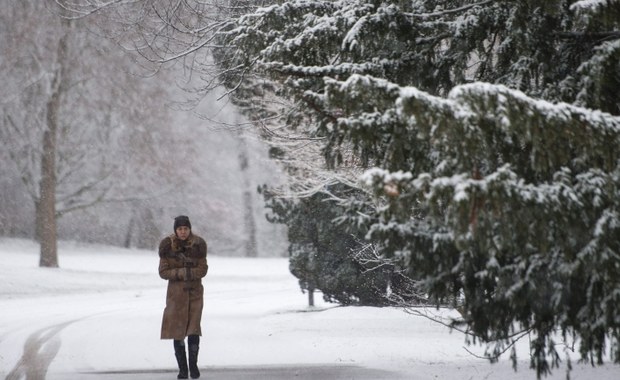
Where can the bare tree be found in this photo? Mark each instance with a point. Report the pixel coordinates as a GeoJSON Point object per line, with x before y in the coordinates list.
{"type": "Point", "coordinates": [72, 113]}
{"type": "Point", "coordinates": [193, 33]}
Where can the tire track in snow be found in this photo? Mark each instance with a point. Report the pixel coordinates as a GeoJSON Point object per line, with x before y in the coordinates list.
{"type": "Point", "coordinates": [40, 349]}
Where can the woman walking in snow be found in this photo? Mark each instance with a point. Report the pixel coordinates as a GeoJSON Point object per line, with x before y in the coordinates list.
{"type": "Point", "coordinates": [183, 262]}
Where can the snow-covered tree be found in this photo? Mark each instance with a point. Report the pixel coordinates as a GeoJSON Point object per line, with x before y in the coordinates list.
{"type": "Point", "coordinates": [495, 195]}
{"type": "Point", "coordinates": [322, 251]}
{"type": "Point", "coordinates": [73, 117]}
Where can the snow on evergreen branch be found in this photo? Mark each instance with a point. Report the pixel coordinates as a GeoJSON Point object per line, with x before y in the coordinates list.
{"type": "Point", "coordinates": [592, 5]}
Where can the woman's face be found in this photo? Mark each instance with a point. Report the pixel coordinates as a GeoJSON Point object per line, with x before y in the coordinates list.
{"type": "Point", "coordinates": [183, 232]}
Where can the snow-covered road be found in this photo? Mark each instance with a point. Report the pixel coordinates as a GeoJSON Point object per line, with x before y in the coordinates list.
{"type": "Point", "coordinates": [98, 317]}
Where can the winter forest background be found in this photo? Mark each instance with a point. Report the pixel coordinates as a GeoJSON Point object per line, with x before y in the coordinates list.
{"type": "Point", "coordinates": [130, 152]}
{"type": "Point", "coordinates": [456, 153]}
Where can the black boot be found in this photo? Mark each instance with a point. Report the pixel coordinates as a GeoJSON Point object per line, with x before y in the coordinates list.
{"type": "Point", "coordinates": [193, 342]}
{"type": "Point", "coordinates": [179, 352]}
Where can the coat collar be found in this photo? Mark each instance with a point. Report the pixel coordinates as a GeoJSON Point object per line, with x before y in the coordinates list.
{"type": "Point", "coordinates": [176, 243]}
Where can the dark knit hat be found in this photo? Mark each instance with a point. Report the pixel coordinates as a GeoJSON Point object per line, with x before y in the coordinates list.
{"type": "Point", "coordinates": [182, 220]}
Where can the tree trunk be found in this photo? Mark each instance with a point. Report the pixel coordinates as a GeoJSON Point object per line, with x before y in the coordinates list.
{"type": "Point", "coordinates": [46, 226]}
{"type": "Point", "coordinates": [46, 210]}
{"type": "Point", "coordinates": [129, 231]}
{"type": "Point", "coordinates": [248, 205]}
{"type": "Point", "coordinates": [250, 224]}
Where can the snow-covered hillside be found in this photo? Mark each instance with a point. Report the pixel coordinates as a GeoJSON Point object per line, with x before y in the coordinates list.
{"type": "Point", "coordinates": [98, 317]}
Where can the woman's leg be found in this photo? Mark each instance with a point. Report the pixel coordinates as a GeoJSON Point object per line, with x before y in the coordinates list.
{"type": "Point", "coordinates": [179, 352]}
{"type": "Point", "coordinates": [193, 341]}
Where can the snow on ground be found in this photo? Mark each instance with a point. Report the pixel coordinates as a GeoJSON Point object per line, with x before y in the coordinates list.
{"type": "Point", "coordinates": [98, 317]}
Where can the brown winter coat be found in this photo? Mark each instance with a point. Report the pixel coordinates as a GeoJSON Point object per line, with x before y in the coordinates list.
{"type": "Point", "coordinates": [183, 264]}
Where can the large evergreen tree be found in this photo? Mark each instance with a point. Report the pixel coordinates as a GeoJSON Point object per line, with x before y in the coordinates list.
{"type": "Point", "coordinates": [495, 193]}
{"type": "Point", "coordinates": [323, 251]}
